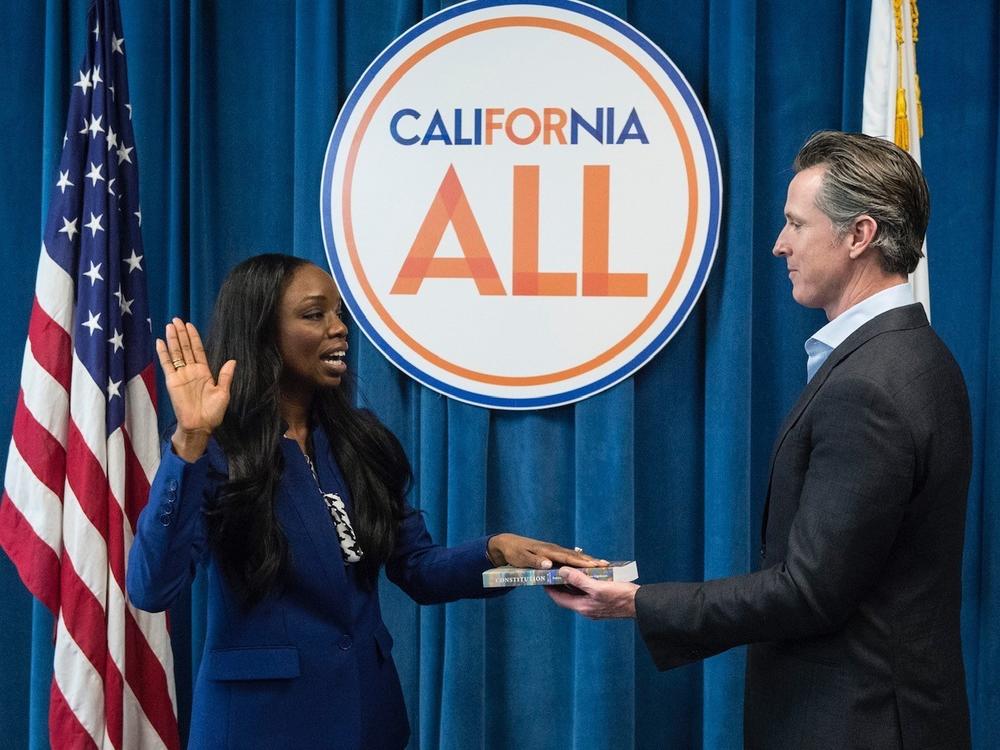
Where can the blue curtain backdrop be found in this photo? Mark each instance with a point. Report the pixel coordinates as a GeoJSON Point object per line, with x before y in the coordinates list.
{"type": "Point", "coordinates": [234, 102]}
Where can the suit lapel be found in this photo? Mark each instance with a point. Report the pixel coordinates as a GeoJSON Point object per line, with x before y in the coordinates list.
{"type": "Point", "coordinates": [306, 503]}
{"type": "Point", "coordinates": [897, 319]}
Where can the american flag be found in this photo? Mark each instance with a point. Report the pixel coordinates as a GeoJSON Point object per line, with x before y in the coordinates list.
{"type": "Point", "coordinates": [84, 447]}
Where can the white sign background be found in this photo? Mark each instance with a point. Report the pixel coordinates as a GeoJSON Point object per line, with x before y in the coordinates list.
{"type": "Point", "coordinates": [516, 351]}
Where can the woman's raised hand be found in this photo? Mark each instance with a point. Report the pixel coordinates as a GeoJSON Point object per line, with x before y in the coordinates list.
{"type": "Point", "coordinates": [199, 401]}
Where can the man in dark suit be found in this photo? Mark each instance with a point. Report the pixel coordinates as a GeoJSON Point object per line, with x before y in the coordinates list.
{"type": "Point", "coordinates": [853, 617]}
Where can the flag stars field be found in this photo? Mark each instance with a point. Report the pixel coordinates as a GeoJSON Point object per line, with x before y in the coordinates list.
{"type": "Point", "coordinates": [124, 304]}
{"type": "Point", "coordinates": [63, 182]}
{"type": "Point", "coordinates": [134, 261]}
{"type": "Point", "coordinates": [95, 126]}
{"type": "Point", "coordinates": [94, 274]}
{"type": "Point", "coordinates": [95, 173]}
{"type": "Point", "coordinates": [94, 225]}
{"type": "Point", "coordinates": [84, 82]}
{"type": "Point", "coordinates": [93, 322]}
{"type": "Point", "coordinates": [69, 228]}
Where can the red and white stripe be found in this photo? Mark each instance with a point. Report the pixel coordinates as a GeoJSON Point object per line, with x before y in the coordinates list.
{"type": "Point", "coordinates": [70, 504]}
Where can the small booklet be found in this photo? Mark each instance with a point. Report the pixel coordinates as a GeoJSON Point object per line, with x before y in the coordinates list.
{"type": "Point", "coordinates": [507, 576]}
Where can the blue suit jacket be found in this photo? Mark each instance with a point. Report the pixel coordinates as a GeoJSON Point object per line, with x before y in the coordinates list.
{"type": "Point", "coordinates": [310, 666]}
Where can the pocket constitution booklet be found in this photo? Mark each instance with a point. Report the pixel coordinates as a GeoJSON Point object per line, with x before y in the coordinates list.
{"type": "Point", "coordinates": [507, 576]}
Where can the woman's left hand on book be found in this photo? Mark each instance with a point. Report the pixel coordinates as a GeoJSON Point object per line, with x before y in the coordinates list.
{"type": "Point", "coordinates": [525, 552]}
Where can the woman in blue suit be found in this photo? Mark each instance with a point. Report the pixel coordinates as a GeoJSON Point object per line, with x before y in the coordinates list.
{"type": "Point", "coordinates": [295, 500]}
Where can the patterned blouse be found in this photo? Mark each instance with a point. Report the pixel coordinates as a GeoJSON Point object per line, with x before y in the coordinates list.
{"type": "Point", "coordinates": [349, 546]}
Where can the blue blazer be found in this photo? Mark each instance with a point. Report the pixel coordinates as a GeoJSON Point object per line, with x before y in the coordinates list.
{"type": "Point", "coordinates": [310, 666]}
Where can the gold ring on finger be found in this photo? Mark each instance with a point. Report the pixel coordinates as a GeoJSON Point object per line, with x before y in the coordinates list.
{"type": "Point", "coordinates": [178, 364]}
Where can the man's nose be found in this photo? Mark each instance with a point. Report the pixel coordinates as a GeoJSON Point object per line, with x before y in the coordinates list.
{"type": "Point", "coordinates": [780, 246]}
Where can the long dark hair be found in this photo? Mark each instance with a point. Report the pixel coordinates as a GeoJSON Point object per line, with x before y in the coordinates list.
{"type": "Point", "coordinates": [243, 527]}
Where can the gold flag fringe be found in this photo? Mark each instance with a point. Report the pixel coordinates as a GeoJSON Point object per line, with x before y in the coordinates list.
{"type": "Point", "coordinates": [915, 23]}
{"type": "Point", "coordinates": [902, 134]}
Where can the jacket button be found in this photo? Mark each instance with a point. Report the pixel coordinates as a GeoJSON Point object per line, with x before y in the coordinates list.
{"type": "Point", "coordinates": [345, 643]}
{"type": "Point", "coordinates": [172, 485]}
{"type": "Point", "coordinates": [165, 519]}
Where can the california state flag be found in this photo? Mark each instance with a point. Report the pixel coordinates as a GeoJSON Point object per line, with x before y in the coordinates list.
{"type": "Point", "coordinates": [892, 108]}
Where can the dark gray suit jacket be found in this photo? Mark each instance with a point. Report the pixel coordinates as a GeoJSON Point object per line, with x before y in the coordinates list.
{"type": "Point", "coordinates": [853, 618]}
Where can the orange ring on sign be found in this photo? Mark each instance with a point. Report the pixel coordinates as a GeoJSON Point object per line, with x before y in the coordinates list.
{"type": "Point", "coordinates": [689, 230]}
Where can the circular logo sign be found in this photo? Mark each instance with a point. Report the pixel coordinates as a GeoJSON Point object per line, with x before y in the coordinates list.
{"type": "Point", "coordinates": [521, 201]}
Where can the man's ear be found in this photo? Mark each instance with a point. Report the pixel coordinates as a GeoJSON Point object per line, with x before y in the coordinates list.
{"type": "Point", "coordinates": [861, 234]}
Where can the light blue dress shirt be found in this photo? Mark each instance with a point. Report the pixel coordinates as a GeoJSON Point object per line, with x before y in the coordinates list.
{"type": "Point", "coordinates": [834, 333]}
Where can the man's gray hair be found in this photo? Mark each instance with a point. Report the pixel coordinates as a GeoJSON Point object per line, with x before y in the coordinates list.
{"type": "Point", "coordinates": [871, 176]}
